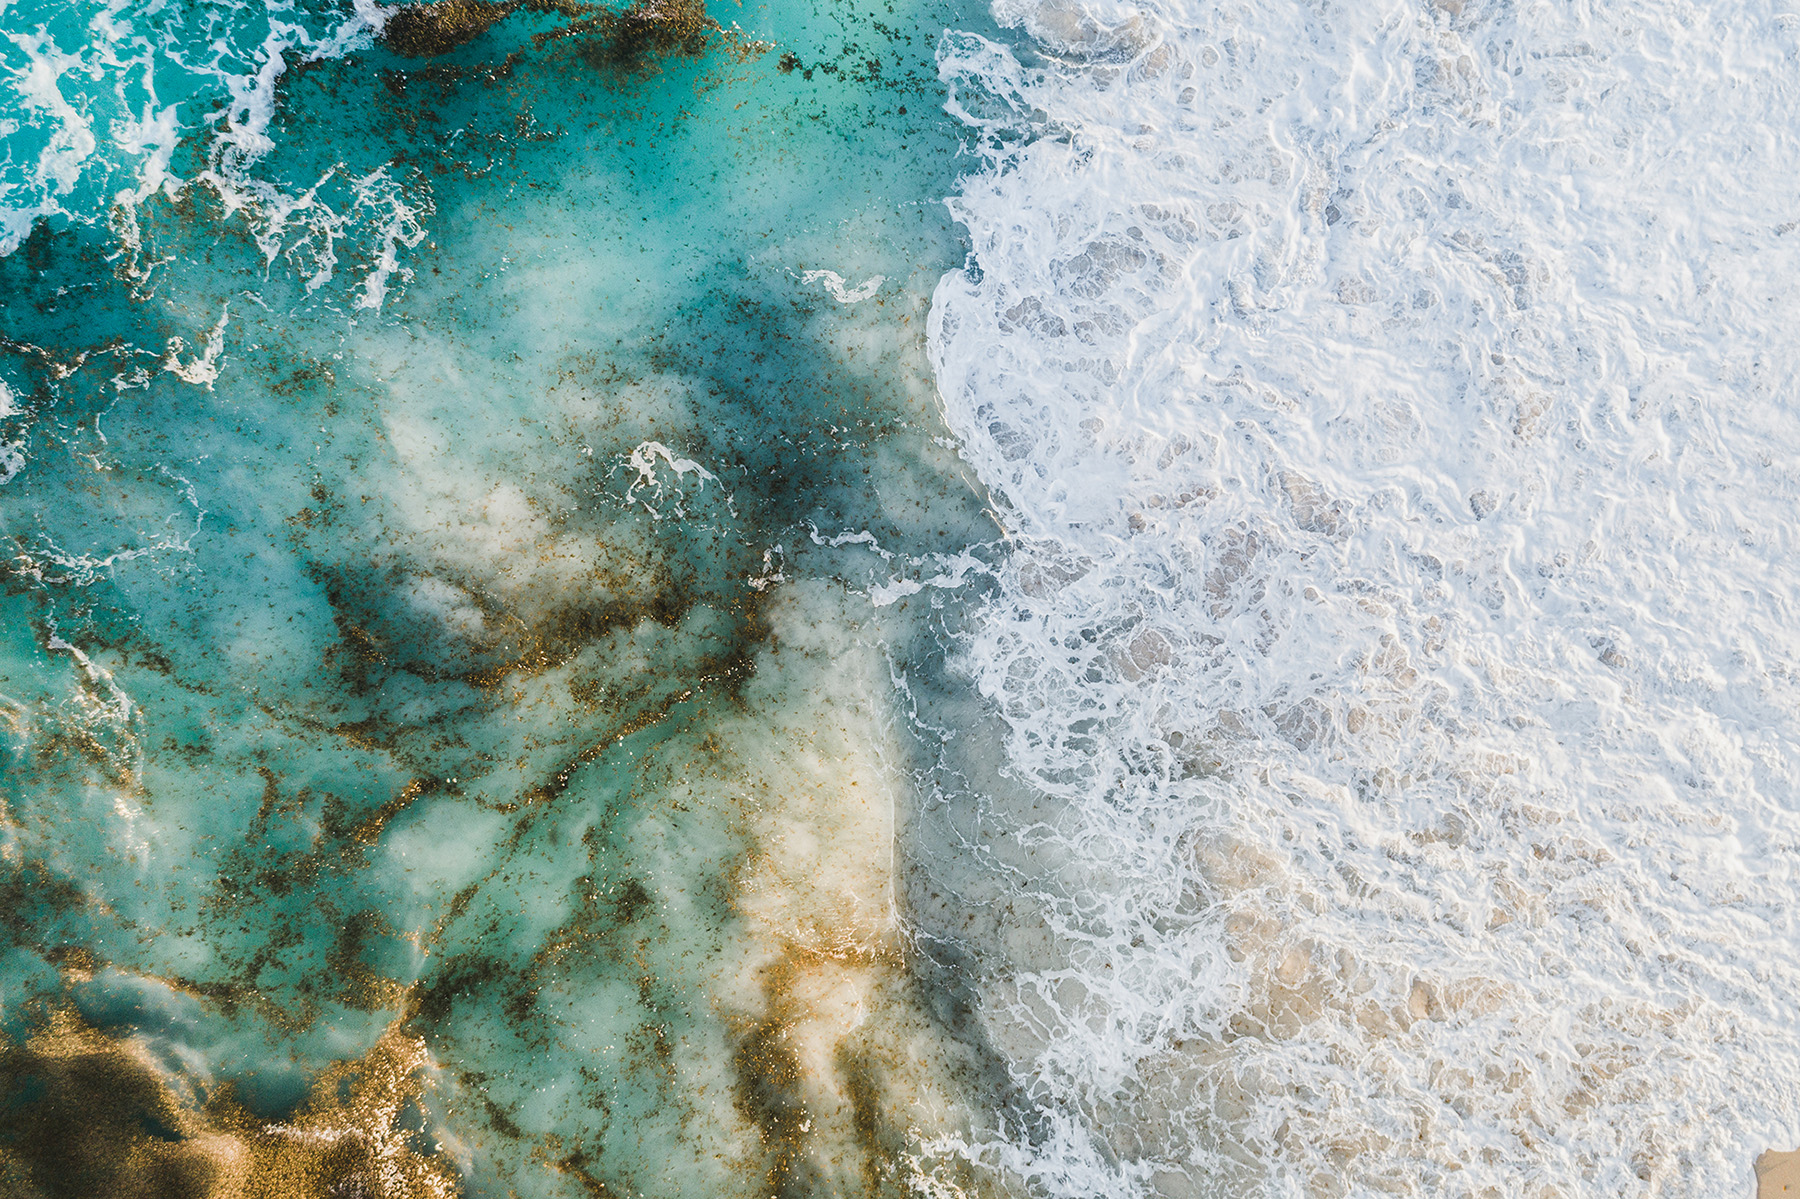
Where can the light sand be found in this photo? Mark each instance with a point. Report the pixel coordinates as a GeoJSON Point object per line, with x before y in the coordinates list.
{"type": "Point", "coordinates": [1777, 1174]}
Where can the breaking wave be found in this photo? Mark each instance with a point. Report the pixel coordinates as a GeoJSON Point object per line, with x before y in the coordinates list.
{"type": "Point", "coordinates": [109, 105]}
{"type": "Point", "coordinates": [1392, 409]}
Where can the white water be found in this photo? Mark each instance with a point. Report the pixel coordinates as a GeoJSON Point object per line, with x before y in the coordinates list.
{"type": "Point", "coordinates": [96, 97]}
{"type": "Point", "coordinates": [1393, 404]}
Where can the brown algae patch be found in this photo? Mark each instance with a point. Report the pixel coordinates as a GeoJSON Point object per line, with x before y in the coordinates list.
{"type": "Point", "coordinates": [428, 30]}
{"type": "Point", "coordinates": [649, 29]}
{"type": "Point", "coordinates": [89, 1114]}
{"type": "Point", "coordinates": [629, 40]}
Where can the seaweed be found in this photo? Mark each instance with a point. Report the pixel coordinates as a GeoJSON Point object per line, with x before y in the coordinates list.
{"type": "Point", "coordinates": [84, 1113]}
{"type": "Point", "coordinates": [428, 30]}
{"type": "Point", "coordinates": [629, 41]}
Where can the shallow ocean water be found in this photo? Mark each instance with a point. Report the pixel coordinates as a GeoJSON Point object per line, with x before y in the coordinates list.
{"type": "Point", "coordinates": [432, 642]}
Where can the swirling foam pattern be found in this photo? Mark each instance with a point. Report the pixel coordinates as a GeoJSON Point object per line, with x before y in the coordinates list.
{"type": "Point", "coordinates": [1394, 407]}
{"type": "Point", "coordinates": [107, 105]}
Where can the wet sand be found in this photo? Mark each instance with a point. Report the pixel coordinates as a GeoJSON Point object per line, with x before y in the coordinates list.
{"type": "Point", "coordinates": [1777, 1174]}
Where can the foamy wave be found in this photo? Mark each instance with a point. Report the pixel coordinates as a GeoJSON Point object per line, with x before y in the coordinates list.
{"type": "Point", "coordinates": [1393, 407]}
{"type": "Point", "coordinates": [12, 457]}
{"type": "Point", "coordinates": [101, 98]}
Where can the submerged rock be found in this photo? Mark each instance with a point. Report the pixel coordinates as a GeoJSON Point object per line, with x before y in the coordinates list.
{"type": "Point", "coordinates": [94, 1114]}
{"type": "Point", "coordinates": [428, 30]}
{"type": "Point", "coordinates": [632, 39]}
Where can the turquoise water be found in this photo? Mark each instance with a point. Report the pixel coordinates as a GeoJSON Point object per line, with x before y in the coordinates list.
{"type": "Point", "coordinates": [451, 742]}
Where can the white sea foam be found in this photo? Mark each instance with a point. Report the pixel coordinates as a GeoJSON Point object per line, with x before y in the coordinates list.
{"type": "Point", "coordinates": [1393, 405]}
{"type": "Point", "coordinates": [99, 97]}
{"type": "Point", "coordinates": [71, 138]}
{"type": "Point", "coordinates": [643, 460]}
{"type": "Point", "coordinates": [202, 368]}
{"type": "Point", "coordinates": [840, 290]}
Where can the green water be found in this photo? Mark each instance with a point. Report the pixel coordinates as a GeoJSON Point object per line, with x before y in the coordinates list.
{"type": "Point", "coordinates": [471, 671]}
